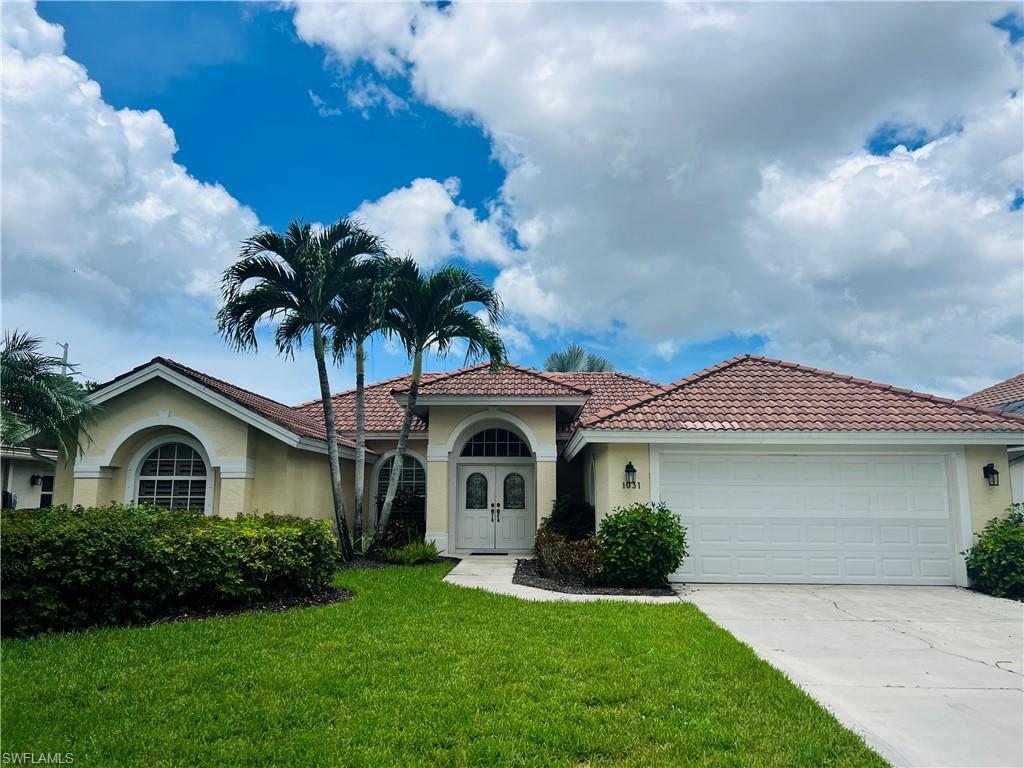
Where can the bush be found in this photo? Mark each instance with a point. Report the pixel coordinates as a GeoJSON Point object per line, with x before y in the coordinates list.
{"type": "Point", "coordinates": [571, 517]}
{"type": "Point", "coordinates": [996, 563]}
{"type": "Point", "coordinates": [559, 556]}
{"type": "Point", "coordinates": [401, 532]}
{"type": "Point", "coordinates": [71, 568]}
{"type": "Point", "coordinates": [412, 553]}
{"type": "Point", "coordinates": [641, 545]}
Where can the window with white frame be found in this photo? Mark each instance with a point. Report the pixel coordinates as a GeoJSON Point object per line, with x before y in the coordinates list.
{"type": "Point", "coordinates": [413, 479]}
{"type": "Point", "coordinates": [496, 442]}
{"type": "Point", "coordinates": [173, 476]}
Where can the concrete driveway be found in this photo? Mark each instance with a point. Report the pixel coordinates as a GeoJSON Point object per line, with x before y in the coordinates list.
{"type": "Point", "coordinates": [929, 676]}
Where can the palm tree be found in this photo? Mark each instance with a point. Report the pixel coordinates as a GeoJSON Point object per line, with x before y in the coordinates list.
{"type": "Point", "coordinates": [426, 311]}
{"type": "Point", "coordinates": [39, 397]}
{"type": "Point", "coordinates": [352, 321]}
{"type": "Point", "coordinates": [576, 359]}
{"type": "Point", "coordinates": [296, 278]}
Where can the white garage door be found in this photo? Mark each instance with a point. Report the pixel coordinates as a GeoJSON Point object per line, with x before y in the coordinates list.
{"type": "Point", "coordinates": [814, 518]}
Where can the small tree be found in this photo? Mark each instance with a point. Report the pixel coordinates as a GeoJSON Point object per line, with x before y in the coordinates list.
{"type": "Point", "coordinates": [38, 397]}
{"type": "Point", "coordinates": [576, 359]}
{"type": "Point", "coordinates": [355, 318]}
{"type": "Point", "coordinates": [295, 279]}
{"type": "Point", "coordinates": [431, 311]}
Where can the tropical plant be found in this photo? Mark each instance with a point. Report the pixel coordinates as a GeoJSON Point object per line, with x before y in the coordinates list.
{"type": "Point", "coordinates": [641, 545]}
{"type": "Point", "coordinates": [995, 564]}
{"type": "Point", "coordinates": [576, 359]}
{"type": "Point", "coordinates": [38, 397]}
{"type": "Point", "coordinates": [431, 310]}
{"type": "Point", "coordinates": [295, 279]}
{"type": "Point", "coordinates": [352, 321]}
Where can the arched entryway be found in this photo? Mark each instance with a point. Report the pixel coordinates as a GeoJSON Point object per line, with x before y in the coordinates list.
{"type": "Point", "coordinates": [495, 496]}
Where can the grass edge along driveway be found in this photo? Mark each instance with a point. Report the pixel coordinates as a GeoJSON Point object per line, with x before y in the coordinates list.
{"type": "Point", "coordinates": [417, 672]}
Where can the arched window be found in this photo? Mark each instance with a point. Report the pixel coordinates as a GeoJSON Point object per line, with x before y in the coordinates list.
{"type": "Point", "coordinates": [173, 476]}
{"type": "Point", "coordinates": [496, 442]}
{"type": "Point", "coordinates": [514, 496]}
{"type": "Point", "coordinates": [413, 479]}
{"type": "Point", "coordinates": [476, 491]}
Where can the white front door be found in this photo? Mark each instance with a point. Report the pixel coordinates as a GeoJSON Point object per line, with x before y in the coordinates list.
{"type": "Point", "coordinates": [495, 507]}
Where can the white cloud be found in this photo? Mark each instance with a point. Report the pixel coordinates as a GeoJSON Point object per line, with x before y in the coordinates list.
{"type": "Point", "coordinates": [108, 243]}
{"type": "Point", "coordinates": [323, 109]}
{"type": "Point", "coordinates": [667, 349]}
{"type": "Point", "coordinates": [368, 94]}
{"type": "Point", "coordinates": [685, 171]}
{"type": "Point", "coordinates": [424, 220]}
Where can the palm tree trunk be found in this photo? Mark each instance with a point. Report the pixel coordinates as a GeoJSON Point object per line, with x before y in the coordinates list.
{"type": "Point", "coordinates": [403, 441]}
{"type": "Point", "coordinates": [332, 444]}
{"type": "Point", "coordinates": [357, 520]}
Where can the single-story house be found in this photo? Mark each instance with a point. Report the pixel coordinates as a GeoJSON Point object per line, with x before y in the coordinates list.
{"type": "Point", "coordinates": [1007, 395]}
{"type": "Point", "coordinates": [780, 472]}
{"type": "Point", "coordinates": [27, 473]}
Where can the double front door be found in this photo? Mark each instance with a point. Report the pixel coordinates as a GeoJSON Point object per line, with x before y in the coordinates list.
{"type": "Point", "coordinates": [495, 507]}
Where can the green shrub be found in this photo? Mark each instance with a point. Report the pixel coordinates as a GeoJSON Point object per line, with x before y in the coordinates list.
{"type": "Point", "coordinates": [70, 568]}
{"type": "Point", "coordinates": [560, 556]}
{"type": "Point", "coordinates": [996, 563]}
{"type": "Point", "coordinates": [412, 553]}
{"type": "Point", "coordinates": [641, 545]}
{"type": "Point", "coordinates": [571, 517]}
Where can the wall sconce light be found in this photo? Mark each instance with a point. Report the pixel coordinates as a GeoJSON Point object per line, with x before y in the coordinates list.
{"type": "Point", "coordinates": [630, 481]}
{"type": "Point", "coordinates": [991, 474]}
{"type": "Point", "coordinates": [36, 480]}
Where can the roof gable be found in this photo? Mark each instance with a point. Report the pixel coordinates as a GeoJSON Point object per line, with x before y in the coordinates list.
{"type": "Point", "coordinates": [750, 392]}
{"type": "Point", "coordinates": [509, 381]}
{"type": "Point", "coordinates": [1006, 395]}
{"type": "Point", "coordinates": [269, 414]}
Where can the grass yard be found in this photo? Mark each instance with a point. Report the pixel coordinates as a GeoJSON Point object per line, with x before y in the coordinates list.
{"type": "Point", "coordinates": [416, 672]}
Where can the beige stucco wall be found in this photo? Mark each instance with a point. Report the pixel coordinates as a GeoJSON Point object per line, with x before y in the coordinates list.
{"type": "Point", "coordinates": [283, 479]}
{"type": "Point", "coordinates": [610, 461]}
{"type": "Point", "coordinates": [446, 420]}
{"type": "Point", "coordinates": [987, 502]}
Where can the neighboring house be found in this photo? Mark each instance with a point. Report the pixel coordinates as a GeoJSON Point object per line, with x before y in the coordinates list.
{"type": "Point", "coordinates": [1006, 396]}
{"type": "Point", "coordinates": [781, 473]}
{"type": "Point", "coordinates": [27, 475]}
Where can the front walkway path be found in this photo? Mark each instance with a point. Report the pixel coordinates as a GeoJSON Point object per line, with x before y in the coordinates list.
{"type": "Point", "coordinates": [494, 573]}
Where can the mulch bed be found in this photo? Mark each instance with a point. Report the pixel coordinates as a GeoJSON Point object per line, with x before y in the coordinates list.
{"type": "Point", "coordinates": [528, 574]}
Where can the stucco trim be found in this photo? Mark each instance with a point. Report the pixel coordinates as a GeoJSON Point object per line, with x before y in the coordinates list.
{"type": "Point", "coordinates": [584, 437]}
{"type": "Point", "coordinates": [491, 401]}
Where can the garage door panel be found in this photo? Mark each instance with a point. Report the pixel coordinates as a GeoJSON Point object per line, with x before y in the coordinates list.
{"type": "Point", "coordinates": [812, 519]}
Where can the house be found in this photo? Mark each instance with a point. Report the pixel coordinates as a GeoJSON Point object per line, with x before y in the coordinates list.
{"type": "Point", "coordinates": [780, 472]}
{"type": "Point", "coordinates": [1006, 396]}
{"type": "Point", "coordinates": [28, 476]}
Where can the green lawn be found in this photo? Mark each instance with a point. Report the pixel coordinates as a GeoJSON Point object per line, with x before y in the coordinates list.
{"type": "Point", "coordinates": [417, 672]}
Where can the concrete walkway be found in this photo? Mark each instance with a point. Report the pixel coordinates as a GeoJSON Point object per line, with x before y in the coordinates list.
{"type": "Point", "coordinates": [494, 574]}
{"type": "Point", "coordinates": [929, 676]}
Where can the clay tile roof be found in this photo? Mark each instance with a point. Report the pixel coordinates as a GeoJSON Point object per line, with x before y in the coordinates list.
{"type": "Point", "coordinates": [1007, 395]}
{"type": "Point", "coordinates": [750, 392]}
{"type": "Point", "coordinates": [607, 388]}
{"type": "Point", "coordinates": [509, 381]}
{"type": "Point", "coordinates": [292, 419]}
{"type": "Point", "coordinates": [383, 413]}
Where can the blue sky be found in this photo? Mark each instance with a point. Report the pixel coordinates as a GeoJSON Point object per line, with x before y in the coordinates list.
{"type": "Point", "coordinates": [748, 182]}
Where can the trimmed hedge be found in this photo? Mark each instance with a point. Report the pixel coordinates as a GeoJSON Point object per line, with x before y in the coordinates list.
{"type": "Point", "coordinates": [69, 568]}
{"type": "Point", "coordinates": [560, 556]}
{"type": "Point", "coordinates": [996, 563]}
{"type": "Point", "coordinates": [641, 545]}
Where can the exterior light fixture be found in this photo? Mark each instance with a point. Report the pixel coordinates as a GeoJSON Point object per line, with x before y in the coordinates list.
{"type": "Point", "coordinates": [36, 480]}
{"type": "Point", "coordinates": [991, 474]}
{"type": "Point", "coordinates": [630, 481]}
